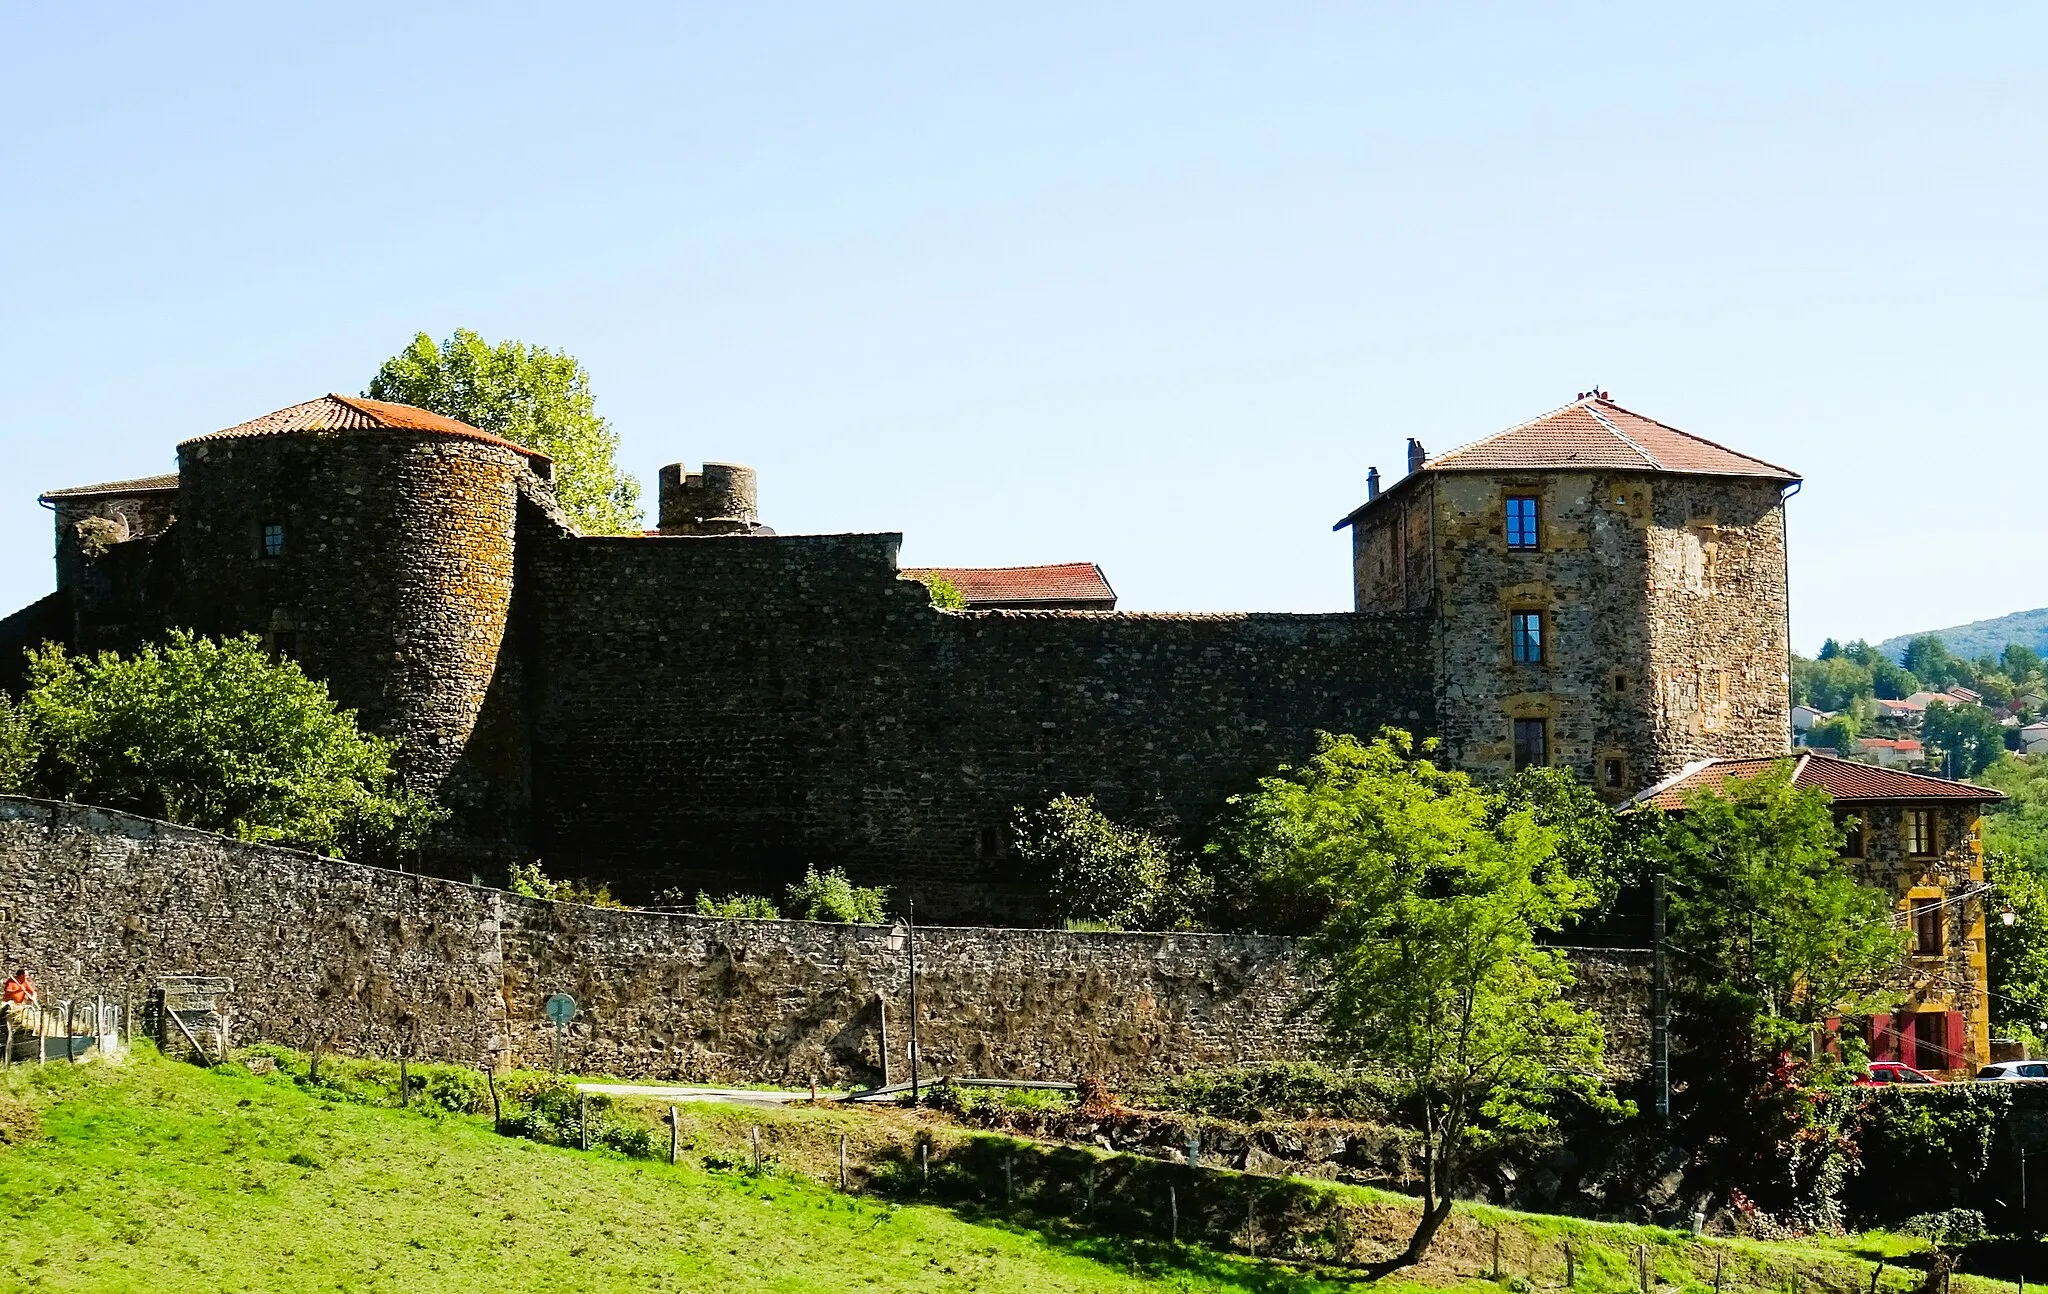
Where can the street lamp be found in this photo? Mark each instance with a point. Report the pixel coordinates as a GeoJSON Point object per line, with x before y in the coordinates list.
{"type": "Point", "coordinates": [903, 939]}
{"type": "Point", "coordinates": [2008, 916]}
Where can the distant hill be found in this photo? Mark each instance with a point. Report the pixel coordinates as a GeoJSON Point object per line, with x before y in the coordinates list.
{"type": "Point", "coordinates": [1981, 636]}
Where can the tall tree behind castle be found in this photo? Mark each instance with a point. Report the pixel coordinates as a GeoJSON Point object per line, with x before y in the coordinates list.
{"type": "Point", "coordinates": [531, 396]}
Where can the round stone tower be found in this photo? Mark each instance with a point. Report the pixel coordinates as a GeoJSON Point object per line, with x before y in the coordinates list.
{"type": "Point", "coordinates": [720, 500]}
{"type": "Point", "coordinates": [370, 541]}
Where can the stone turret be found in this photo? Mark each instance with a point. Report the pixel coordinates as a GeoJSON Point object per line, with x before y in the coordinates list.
{"type": "Point", "coordinates": [372, 542]}
{"type": "Point", "coordinates": [720, 500]}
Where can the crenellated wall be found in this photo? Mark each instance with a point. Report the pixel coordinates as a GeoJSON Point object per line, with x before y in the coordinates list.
{"type": "Point", "coordinates": [367, 958]}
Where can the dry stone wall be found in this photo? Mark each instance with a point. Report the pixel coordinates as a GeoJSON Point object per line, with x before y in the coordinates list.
{"type": "Point", "coordinates": [368, 958]}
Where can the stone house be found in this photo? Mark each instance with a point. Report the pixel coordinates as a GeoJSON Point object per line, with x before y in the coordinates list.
{"type": "Point", "coordinates": [1919, 839]}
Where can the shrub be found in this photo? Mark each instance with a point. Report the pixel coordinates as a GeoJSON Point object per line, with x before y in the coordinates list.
{"type": "Point", "coordinates": [1098, 871]}
{"type": "Point", "coordinates": [737, 907]}
{"type": "Point", "coordinates": [1282, 1090]}
{"type": "Point", "coordinates": [214, 735]}
{"type": "Point", "coordinates": [945, 594]}
{"type": "Point", "coordinates": [17, 749]}
{"type": "Point", "coordinates": [528, 880]}
{"type": "Point", "coordinates": [830, 896]}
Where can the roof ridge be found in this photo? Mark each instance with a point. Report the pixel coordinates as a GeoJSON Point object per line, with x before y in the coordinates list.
{"type": "Point", "coordinates": [1592, 407]}
{"type": "Point", "coordinates": [1696, 437]}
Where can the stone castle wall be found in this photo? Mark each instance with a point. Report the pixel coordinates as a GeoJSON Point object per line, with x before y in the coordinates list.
{"type": "Point", "coordinates": [368, 958]}
{"type": "Point", "coordinates": [718, 713]}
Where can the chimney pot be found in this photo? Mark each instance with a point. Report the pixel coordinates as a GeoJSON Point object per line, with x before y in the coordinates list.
{"type": "Point", "coordinates": [1417, 455]}
{"type": "Point", "coordinates": [1372, 484]}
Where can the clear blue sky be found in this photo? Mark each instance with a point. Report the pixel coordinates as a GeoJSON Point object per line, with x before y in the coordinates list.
{"type": "Point", "coordinates": [1148, 285]}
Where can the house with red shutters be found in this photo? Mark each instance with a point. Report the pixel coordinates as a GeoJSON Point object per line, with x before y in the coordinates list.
{"type": "Point", "coordinates": [1920, 839]}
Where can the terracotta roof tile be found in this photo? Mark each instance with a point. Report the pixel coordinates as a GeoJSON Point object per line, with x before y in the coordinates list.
{"type": "Point", "coordinates": [356, 413]}
{"type": "Point", "coordinates": [115, 489]}
{"type": "Point", "coordinates": [1597, 433]}
{"type": "Point", "coordinates": [1845, 779]}
{"type": "Point", "coordinates": [985, 586]}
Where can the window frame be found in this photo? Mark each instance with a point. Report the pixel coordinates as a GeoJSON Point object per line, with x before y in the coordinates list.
{"type": "Point", "coordinates": [264, 548]}
{"type": "Point", "coordinates": [1928, 921]}
{"type": "Point", "coordinates": [1531, 537]}
{"type": "Point", "coordinates": [1614, 772]}
{"type": "Point", "coordinates": [1916, 832]}
{"type": "Point", "coordinates": [1518, 621]}
{"type": "Point", "coordinates": [1541, 728]}
{"type": "Point", "coordinates": [1856, 843]}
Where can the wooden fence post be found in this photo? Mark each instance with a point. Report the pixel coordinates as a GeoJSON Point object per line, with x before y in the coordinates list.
{"type": "Point", "coordinates": [673, 1121]}
{"type": "Point", "coordinates": [497, 1113]}
{"type": "Point", "coordinates": [842, 1161]}
{"type": "Point", "coordinates": [1571, 1273]}
{"type": "Point", "coordinates": [1173, 1213]}
{"type": "Point", "coordinates": [754, 1139]}
{"type": "Point", "coordinates": [583, 1120]}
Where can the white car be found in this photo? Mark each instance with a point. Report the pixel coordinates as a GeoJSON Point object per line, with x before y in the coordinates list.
{"type": "Point", "coordinates": [2013, 1070]}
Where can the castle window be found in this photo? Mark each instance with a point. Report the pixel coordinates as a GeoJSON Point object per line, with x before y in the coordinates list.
{"type": "Point", "coordinates": [1852, 834]}
{"type": "Point", "coordinates": [273, 539]}
{"type": "Point", "coordinates": [1620, 682]}
{"type": "Point", "coordinates": [1927, 927]}
{"type": "Point", "coordinates": [1526, 628]}
{"type": "Point", "coordinates": [1612, 773]}
{"type": "Point", "coordinates": [1522, 521]}
{"type": "Point", "coordinates": [1532, 743]}
{"type": "Point", "coordinates": [1917, 826]}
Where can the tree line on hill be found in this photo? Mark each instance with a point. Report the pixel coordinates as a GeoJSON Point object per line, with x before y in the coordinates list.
{"type": "Point", "coordinates": [1959, 738]}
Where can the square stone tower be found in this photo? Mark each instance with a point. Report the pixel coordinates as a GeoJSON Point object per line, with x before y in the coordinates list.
{"type": "Point", "coordinates": [1609, 594]}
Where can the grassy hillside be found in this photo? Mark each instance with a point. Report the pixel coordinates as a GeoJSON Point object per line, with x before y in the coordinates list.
{"type": "Point", "coordinates": [1981, 637]}
{"type": "Point", "coordinates": [158, 1176]}
{"type": "Point", "coordinates": [153, 1175]}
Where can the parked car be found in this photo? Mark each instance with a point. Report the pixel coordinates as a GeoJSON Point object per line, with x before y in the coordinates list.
{"type": "Point", "coordinates": [1884, 1072]}
{"type": "Point", "coordinates": [2013, 1070]}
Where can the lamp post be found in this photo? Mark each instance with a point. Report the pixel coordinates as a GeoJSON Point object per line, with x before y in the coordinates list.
{"type": "Point", "coordinates": [903, 939]}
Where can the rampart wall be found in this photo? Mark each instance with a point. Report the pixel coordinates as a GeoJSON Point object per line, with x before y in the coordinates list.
{"type": "Point", "coordinates": [368, 958]}
{"type": "Point", "coordinates": [718, 713]}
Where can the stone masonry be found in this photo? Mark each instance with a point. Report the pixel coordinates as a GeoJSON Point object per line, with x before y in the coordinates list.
{"type": "Point", "coordinates": [373, 960]}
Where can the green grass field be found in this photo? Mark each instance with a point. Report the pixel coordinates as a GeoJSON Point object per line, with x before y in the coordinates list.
{"type": "Point", "coordinates": [154, 1175]}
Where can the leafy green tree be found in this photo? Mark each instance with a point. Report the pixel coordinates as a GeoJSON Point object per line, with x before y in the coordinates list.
{"type": "Point", "coordinates": [1961, 740]}
{"type": "Point", "coordinates": [1596, 846]}
{"type": "Point", "coordinates": [1098, 871]}
{"type": "Point", "coordinates": [2018, 955]}
{"type": "Point", "coordinates": [1929, 659]}
{"type": "Point", "coordinates": [216, 735]}
{"type": "Point", "coordinates": [1830, 684]}
{"type": "Point", "coordinates": [17, 749]}
{"type": "Point", "coordinates": [529, 881]}
{"type": "Point", "coordinates": [1770, 934]}
{"type": "Point", "coordinates": [1771, 925]}
{"type": "Point", "coordinates": [2019, 662]}
{"type": "Point", "coordinates": [1427, 958]}
{"type": "Point", "coordinates": [1838, 733]}
{"type": "Point", "coordinates": [531, 396]}
{"type": "Point", "coordinates": [830, 896]}
{"type": "Point", "coordinates": [1890, 681]}
{"type": "Point", "coordinates": [1830, 649]}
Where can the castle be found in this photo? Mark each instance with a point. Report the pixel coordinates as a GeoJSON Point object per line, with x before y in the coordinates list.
{"type": "Point", "coordinates": [715, 705]}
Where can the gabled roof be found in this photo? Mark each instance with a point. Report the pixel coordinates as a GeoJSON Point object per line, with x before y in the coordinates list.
{"type": "Point", "coordinates": [117, 489]}
{"type": "Point", "coordinates": [1845, 779]}
{"type": "Point", "coordinates": [1593, 433]}
{"type": "Point", "coordinates": [333, 412]}
{"type": "Point", "coordinates": [1067, 582]}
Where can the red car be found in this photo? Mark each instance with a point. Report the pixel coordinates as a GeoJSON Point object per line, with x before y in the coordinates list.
{"type": "Point", "coordinates": [1885, 1072]}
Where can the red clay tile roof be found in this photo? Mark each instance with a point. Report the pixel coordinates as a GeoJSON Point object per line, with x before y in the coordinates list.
{"type": "Point", "coordinates": [1888, 743]}
{"type": "Point", "coordinates": [1597, 433]}
{"type": "Point", "coordinates": [356, 413]}
{"type": "Point", "coordinates": [116, 489]}
{"type": "Point", "coordinates": [1845, 779]}
{"type": "Point", "coordinates": [1011, 585]}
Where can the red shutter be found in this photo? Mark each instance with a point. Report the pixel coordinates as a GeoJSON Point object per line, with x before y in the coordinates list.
{"type": "Point", "coordinates": [1958, 1040]}
{"type": "Point", "coordinates": [1906, 1037]}
{"type": "Point", "coordinates": [1831, 1036]}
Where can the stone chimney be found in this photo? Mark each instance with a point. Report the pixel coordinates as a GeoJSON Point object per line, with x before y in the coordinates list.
{"type": "Point", "coordinates": [1417, 455]}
